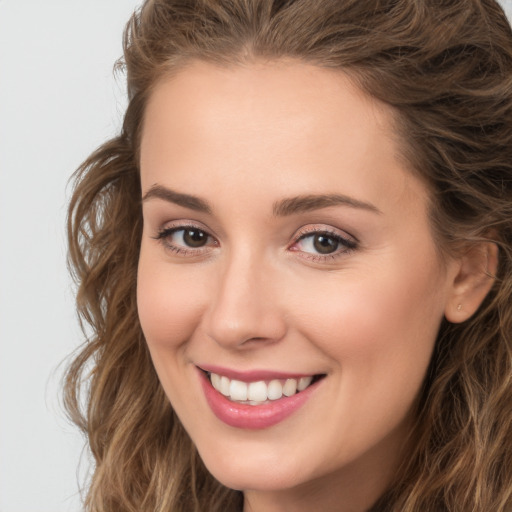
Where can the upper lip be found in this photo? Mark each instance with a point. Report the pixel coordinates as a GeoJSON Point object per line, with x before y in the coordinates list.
{"type": "Point", "coordinates": [253, 375]}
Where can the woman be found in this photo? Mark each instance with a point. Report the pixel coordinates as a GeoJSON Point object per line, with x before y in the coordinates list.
{"type": "Point", "coordinates": [296, 261]}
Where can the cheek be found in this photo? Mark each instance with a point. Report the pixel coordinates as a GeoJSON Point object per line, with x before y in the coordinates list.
{"type": "Point", "coordinates": [169, 310]}
{"type": "Point", "coordinates": [379, 328]}
{"type": "Point", "coordinates": [169, 304]}
{"type": "Point", "coordinates": [367, 311]}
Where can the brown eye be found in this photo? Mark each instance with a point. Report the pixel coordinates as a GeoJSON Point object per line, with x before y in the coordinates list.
{"type": "Point", "coordinates": [194, 237]}
{"type": "Point", "coordinates": [319, 244]}
{"type": "Point", "coordinates": [185, 238]}
{"type": "Point", "coordinates": [325, 244]}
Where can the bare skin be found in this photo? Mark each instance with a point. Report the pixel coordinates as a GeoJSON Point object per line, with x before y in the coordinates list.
{"type": "Point", "coordinates": [237, 270]}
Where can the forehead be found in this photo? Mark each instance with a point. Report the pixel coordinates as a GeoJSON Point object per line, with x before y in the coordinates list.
{"type": "Point", "coordinates": [269, 123]}
{"type": "Point", "coordinates": [277, 91]}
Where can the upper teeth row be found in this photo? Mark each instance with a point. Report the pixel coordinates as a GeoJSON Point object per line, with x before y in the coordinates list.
{"type": "Point", "coordinates": [258, 391]}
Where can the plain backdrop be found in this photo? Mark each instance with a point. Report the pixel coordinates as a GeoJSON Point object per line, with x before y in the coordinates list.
{"type": "Point", "coordinates": [58, 101]}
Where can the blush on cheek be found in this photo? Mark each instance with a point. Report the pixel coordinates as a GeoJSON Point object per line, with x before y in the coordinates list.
{"type": "Point", "coordinates": [380, 316]}
{"type": "Point", "coordinates": [163, 318]}
{"type": "Point", "coordinates": [168, 305]}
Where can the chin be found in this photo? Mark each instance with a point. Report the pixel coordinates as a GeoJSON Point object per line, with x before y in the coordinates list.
{"type": "Point", "coordinates": [263, 481]}
{"type": "Point", "coordinates": [259, 473]}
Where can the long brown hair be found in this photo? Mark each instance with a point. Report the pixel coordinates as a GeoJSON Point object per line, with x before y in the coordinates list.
{"type": "Point", "coordinates": [445, 68]}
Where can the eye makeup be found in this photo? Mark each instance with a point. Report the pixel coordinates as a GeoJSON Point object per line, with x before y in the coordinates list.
{"type": "Point", "coordinates": [315, 242]}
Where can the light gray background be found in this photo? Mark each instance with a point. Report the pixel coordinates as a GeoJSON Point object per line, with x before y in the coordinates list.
{"type": "Point", "coordinates": [58, 101]}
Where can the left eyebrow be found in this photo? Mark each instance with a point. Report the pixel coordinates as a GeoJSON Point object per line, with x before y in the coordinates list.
{"type": "Point", "coordinates": [306, 203]}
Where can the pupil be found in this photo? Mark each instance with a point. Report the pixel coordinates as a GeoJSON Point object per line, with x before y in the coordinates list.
{"type": "Point", "coordinates": [194, 237]}
{"type": "Point", "coordinates": [325, 244]}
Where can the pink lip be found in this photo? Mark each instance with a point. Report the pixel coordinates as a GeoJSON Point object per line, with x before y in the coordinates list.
{"type": "Point", "coordinates": [250, 416]}
{"type": "Point", "coordinates": [253, 375]}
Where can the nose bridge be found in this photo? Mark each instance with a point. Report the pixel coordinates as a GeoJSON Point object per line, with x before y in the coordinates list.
{"type": "Point", "coordinates": [245, 306]}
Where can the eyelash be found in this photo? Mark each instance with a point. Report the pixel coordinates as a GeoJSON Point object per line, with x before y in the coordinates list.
{"type": "Point", "coordinates": [348, 244]}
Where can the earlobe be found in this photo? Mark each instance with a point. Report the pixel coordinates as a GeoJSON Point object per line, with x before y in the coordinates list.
{"type": "Point", "coordinates": [476, 271]}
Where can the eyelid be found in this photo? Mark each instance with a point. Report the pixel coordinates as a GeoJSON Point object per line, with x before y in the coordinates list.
{"type": "Point", "coordinates": [184, 224]}
{"type": "Point", "coordinates": [324, 228]}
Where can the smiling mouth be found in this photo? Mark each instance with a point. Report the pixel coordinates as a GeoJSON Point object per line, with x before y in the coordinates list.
{"type": "Point", "coordinates": [260, 392]}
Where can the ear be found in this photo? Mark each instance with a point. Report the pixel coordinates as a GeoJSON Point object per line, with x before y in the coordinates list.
{"type": "Point", "coordinates": [474, 277]}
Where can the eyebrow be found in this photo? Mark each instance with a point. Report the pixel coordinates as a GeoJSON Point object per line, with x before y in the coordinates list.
{"type": "Point", "coordinates": [282, 208]}
{"type": "Point", "coordinates": [306, 203]}
{"type": "Point", "coordinates": [171, 196]}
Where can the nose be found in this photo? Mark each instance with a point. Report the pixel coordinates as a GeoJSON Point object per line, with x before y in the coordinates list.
{"type": "Point", "coordinates": [245, 308]}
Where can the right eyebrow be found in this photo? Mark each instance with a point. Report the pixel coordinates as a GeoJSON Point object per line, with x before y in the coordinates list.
{"type": "Point", "coordinates": [307, 203]}
{"type": "Point", "coordinates": [171, 196]}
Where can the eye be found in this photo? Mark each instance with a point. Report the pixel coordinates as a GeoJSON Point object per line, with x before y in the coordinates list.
{"type": "Point", "coordinates": [323, 244]}
{"type": "Point", "coordinates": [191, 237]}
{"type": "Point", "coordinates": [185, 239]}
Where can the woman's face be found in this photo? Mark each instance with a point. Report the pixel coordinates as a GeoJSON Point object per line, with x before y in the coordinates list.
{"type": "Point", "coordinates": [285, 244]}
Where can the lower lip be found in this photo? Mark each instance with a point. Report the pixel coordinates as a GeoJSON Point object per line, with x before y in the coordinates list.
{"type": "Point", "coordinates": [253, 417]}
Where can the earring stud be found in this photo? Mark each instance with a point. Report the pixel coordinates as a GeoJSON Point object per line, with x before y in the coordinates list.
{"type": "Point", "coordinates": [459, 307]}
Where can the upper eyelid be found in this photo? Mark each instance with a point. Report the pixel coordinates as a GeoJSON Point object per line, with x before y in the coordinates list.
{"type": "Point", "coordinates": [184, 224]}
{"type": "Point", "coordinates": [182, 227]}
{"type": "Point", "coordinates": [320, 228]}
{"type": "Point", "coordinates": [348, 242]}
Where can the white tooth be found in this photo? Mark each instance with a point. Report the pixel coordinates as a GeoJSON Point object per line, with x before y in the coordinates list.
{"type": "Point", "coordinates": [224, 386]}
{"type": "Point", "coordinates": [256, 403]}
{"type": "Point", "coordinates": [215, 380]}
{"type": "Point", "coordinates": [275, 390]}
{"type": "Point", "coordinates": [304, 382]}
{"type": "Point", "coordinates": [290, 387]}
{"type": "Point", "coordinates": [257, 391]}
{"type": "Point", "coordinates": [238, 390]}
